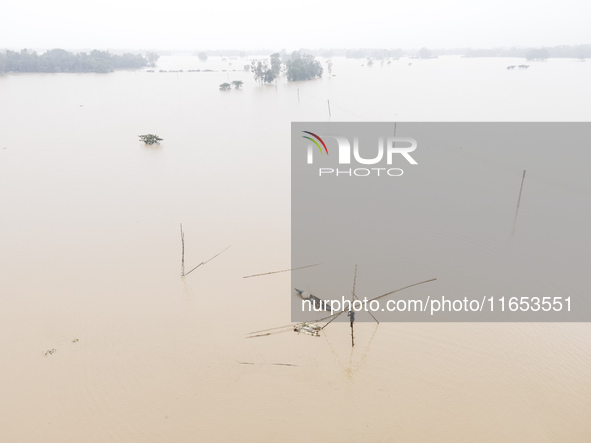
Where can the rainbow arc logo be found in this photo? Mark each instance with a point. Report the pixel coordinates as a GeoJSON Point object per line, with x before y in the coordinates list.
{"type": "Point", "coordinates": [315, 142]}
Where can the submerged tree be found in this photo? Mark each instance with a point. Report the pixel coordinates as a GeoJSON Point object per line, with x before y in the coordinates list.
{"type": "Point", "coordinates": [225, 87]}
{"type": "Point", "coordinates": [150, 139]}
{"type": "Point", "coordinates": [303, 67]}
{"type": "Point", "coordinates": [276, 64]}
{"type": "Point", "coordinates": [425, 53]}
{"type": "Point", "coordinates": [237, 83]}
{"type": "Point", "coordinates": [152, 58]}
{"type": "Point", "coordinates": [262, 72]}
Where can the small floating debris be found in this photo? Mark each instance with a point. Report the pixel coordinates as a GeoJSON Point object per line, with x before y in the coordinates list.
{"type": "Point", "coordinates": [150, 139]}
{"type": "Point", "coordinates": [50, 352]}
{"type": "Point", "coordinates": [75, 340]}
{"type": "Point", "coordinates": [271, 364]}
{"type": "Point", "coordinates": [308, 328]}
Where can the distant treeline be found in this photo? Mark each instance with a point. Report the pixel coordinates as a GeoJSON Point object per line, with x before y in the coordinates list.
{"type": "Point", "coordinates": [564, 51]}
{"type": "Point", "coordinates": [60, 60]}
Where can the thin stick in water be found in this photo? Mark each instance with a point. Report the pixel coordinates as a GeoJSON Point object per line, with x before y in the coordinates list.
{"type": "Point", "coordinates": [207, 261]}
{"type": "Point", "coordinates": [329, 114]}
{"type": "Point", "coordinates": [334, 317]}
{"type": "Point", "coordinates": [183, 252]}
{"type": "Point", "coordinates": [284, 270]}
{"type": "Point", "coordinates": [372, 316]}
{"type": "Point", "coordinates": [401, 289]}
{"type": "Point", "coordinates": [352, 311]}
{"type": "Point", "coordinates": [518, 202]}
{"type": "Point", "coordinates": [357, 298]}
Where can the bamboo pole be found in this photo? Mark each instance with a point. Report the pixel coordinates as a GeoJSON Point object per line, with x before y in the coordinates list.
{"type": "Point", "coordinates": [357, 298]}
{"type": "Point", "coordinates": [206, 261]}
{"type": "Point", "coordinates": [518, 203]}
{"type": "Point", "coordinates": [352, 311]}
{"type": "Point", "coordinates": [183, 252]}
{"type": "Point", "coordinates": [284, 270]}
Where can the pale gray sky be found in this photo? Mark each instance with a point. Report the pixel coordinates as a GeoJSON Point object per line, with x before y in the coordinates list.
{"type": "Point", "coordinates": [72, 24]}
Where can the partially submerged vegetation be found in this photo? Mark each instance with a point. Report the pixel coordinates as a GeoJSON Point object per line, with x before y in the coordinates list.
{"type": "Point", "coordinates": [297, 66]}
{"type": "Point", "coordinates": [150, 139]}
{"type": "Point", "coordinates": [303, 67]}
{"type": "Point", "coordinates": [265, 71]}
{"type": "Point", "coordinates": [60, 60]}
{"type": "Point", "coordinates": [227, 86]}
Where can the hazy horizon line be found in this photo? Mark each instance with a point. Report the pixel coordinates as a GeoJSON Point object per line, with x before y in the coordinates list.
{"type": "Point", "coordinates": [270, 51]}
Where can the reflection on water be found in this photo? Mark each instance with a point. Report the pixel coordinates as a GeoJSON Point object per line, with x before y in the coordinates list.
{"type": "Point", "coordinates": [91, 251]}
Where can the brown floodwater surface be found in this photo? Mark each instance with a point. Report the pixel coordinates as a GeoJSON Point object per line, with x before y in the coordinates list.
{"type": "Point", "coordinates": [90, 264]}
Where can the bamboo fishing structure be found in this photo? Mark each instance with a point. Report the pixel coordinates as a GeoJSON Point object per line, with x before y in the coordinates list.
{"type": "Point", "coordinates": [183, 274]}
{"type": "Point", "coordinates": [333, 317]}
{"type": "Point", "coordinates": [313, 328]}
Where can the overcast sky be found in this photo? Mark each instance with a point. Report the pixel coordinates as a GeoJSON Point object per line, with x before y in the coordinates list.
{"type": "Point", "coordinates": [229, 24]}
